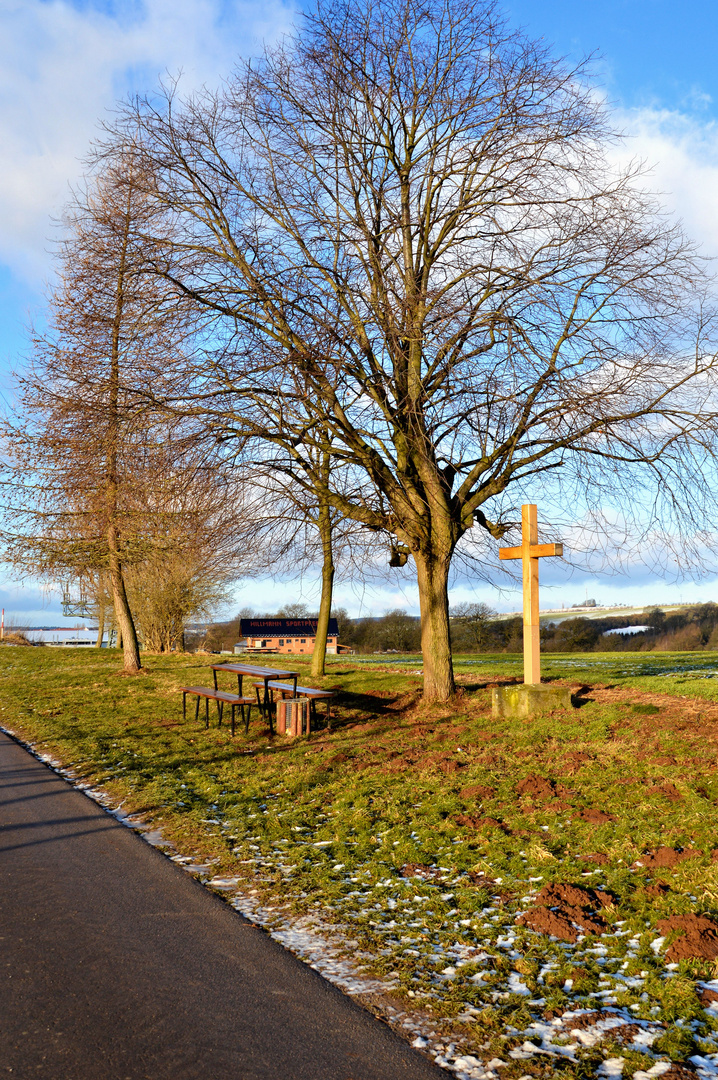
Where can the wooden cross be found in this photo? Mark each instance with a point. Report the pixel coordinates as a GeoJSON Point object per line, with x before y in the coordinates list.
{"type": "Point", "coordinates": [530, 552]}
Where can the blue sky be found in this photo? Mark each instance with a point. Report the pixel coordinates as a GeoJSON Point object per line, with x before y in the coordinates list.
{"type": "Point", "coordinates": [63, 64]}
{"type": "Point", "coordinates": [655, 52]}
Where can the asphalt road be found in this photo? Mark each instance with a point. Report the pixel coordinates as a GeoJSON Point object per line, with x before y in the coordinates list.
{"type": "Point", "coordinates": [117, 965]}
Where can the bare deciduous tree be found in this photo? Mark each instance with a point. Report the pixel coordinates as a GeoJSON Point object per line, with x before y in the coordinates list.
{"type": "Point", "coordinates": [84, 449]}
{"type": "Point", "coordinates": [404, 231]}
{"type": "Point", "coordinates": [476, 617]}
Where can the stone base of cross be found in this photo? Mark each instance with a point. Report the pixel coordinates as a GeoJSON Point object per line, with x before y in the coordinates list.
{"type": "Point", "coordinates": [530, 552]}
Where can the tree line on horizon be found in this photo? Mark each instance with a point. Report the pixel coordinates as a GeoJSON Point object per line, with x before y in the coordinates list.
{"type": "Point", "coordinates": [475, 628]}
{"type": "Point", "coordinates": [346, 313]}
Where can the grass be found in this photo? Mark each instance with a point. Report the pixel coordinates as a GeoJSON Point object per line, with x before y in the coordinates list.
{"type": "Point", "coordinates": [404, 828]}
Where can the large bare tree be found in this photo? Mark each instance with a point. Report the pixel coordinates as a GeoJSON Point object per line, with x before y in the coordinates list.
{"type": "Point", "coordinates": [404, 230]}
{"type": "Point", "coordinates": [84, 449]}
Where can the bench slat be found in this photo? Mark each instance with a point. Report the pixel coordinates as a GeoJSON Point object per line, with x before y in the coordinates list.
{"type": "Point", "coordinates": [305, 691]}
{"type": "Point", "coordinates": [217, 695]}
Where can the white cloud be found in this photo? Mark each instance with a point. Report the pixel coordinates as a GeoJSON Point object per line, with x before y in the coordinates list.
{"type": "Point", "coordinates": [681, 150]}
{"type": "Point", "coordinates": [62, 68]}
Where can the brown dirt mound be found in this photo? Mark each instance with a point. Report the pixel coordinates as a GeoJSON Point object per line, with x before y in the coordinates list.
{"type": "Point", "coordinates": [678, 1072]}
{"type": "Point", "coordinates": [714, 855]}
{"type": "Point", "coordinates": [562, 893]}
{"type": "Point", "coordinates": [573, 911]}
{"type": "Point", "coordinates": [584, 1020]}
{"type": "Point", "coordinates": [659, 888]}
{"type": "Point", "coordinates": [665, 857]}
{"type": "Point", "coordinates": [545, 921]}
{"type": "Point", "coordinates": [667, 789]}
{"type": "Point", "coordinates": [626, 1033]}
{"type": "Point", "coordinates": [477, 791]}
{"type": "Point", "coordinates": [477, 821]}
{"type": "Point", "coordinates": [698, 937]}
{"type": "Point", "coordinates": [451, 766]}
{"type": "Point", "coordinates": [596, 817]}
{"type": "Point", "coordinates": [707, 997]}
{"type": "Point", "coordinates": [536, 787]}
{"type": "Point", "coordinates": [596, 857]}
{"type": "Point", "coordinates": [557, 806]}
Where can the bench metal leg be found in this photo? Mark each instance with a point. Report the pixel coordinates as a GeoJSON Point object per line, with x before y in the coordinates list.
{"type": "Point", "coordinates": [220, 710]}
{"type": "Point", "coordinates": [184, 705]}
{"type": "Point", "coordinates": [206, 712]}
{"type": "Point", "coordinates": [268, 701]}
{"type": "Point", "coordinates": [246, 717]}
{"type": "Point", "coordinates": [196, 709]}
{"type": "Point", "coordinates": [233, 708]}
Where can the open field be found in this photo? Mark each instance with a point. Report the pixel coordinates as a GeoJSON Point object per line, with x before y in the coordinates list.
{"type": "Point", "coordinates": [679, 673]}
{"type": "Point", "coordinates": [526, 886]}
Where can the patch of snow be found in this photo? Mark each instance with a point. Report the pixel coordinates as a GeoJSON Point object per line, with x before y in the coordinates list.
{"type": "Point", "coordinates": [517, 985]}
{"type": "Point", "coordinates": [658, 1069]}
{"type": "Point", "coordinates": [611, 1067]}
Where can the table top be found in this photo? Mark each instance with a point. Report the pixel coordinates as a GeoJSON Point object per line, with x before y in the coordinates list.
{"type": "Point", "coordinates": [260, 672]}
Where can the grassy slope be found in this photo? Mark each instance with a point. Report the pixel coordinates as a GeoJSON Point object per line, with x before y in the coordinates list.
{"type": "Point", "coordinates": [327, 825]}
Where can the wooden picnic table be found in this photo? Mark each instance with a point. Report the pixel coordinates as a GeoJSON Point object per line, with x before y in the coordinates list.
{"type": "Point", "coordinates": [263, 673]}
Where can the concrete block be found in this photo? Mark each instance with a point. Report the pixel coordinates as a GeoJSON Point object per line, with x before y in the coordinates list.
{"type": "Point", "coordinates": [528, 699]}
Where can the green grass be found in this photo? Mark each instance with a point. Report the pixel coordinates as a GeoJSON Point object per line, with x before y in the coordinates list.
{"type": "Point", "coordinates": [326, 826]}
{"type": "Point", "coordinates": [694, 673]}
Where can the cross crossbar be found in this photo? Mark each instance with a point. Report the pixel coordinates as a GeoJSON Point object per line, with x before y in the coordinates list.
{"type": "Point", "coordinates": [536, 551]}
{"type": "Point", "coordinates": [530, 552]}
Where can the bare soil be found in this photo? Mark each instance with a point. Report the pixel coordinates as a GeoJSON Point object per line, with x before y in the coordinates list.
{"type": "Point", "coordinates": [564, 910]}
{"type": "Point", "coordinates": [477, 791]}
{"type": "Point", "coordinates": [665, 857]}
{"type": "Point", "coordinates": [698, 937]}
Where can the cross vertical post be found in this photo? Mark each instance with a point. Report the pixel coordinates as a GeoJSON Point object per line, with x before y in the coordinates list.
{"type": "Point", "coordinates": [530, 552]}
{"type": "Point", "coordinates": [530, 566]}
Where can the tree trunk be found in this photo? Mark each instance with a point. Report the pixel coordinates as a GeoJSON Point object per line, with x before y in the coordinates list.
{"type": "Point", "coordinates": [123, 615]}
{"type": "Point", "coordinates": [100, 621]}
{"type": "Point", "coordinates": [433, 577]}
{"type": "Point", "coordinates": [324, 522]}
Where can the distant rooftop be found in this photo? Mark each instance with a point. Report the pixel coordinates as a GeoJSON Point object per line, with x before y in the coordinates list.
{"type": "Point", "coordinates": [283, 627]}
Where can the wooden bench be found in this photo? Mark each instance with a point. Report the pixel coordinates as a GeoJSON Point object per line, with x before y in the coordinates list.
{"type": "Point", "coordinates": [288, 690]}
{"type": "Point", "coordinates": [222, 698]}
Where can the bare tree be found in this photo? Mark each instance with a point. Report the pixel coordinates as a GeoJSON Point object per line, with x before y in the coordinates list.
{"type": "Point", "coordinates": [196, 542]}
{"type": "Point", "coordinates": [404, 231]}
{"type": "Point", "coordinates": [84, 448]}
{"type": "Point", "coordinates": [476, 617]}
